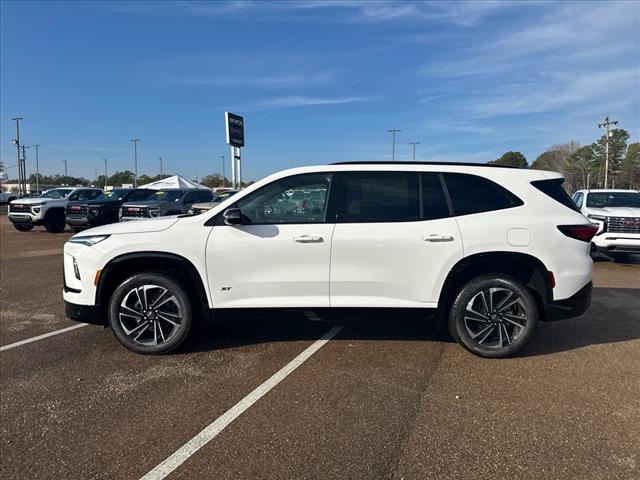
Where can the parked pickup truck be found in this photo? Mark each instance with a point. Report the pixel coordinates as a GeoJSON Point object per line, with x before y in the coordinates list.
{"type": "Point", "coordinates": [7, 197]}
{"type": "Point", "coordinates": [164, 202]}
{"type": "Point", "coordinates": [103, 209]}
{"type": "Point", "coordinates": [48, 209]}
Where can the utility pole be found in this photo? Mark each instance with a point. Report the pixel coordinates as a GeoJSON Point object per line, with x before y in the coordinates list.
{"type": "Point", "coordinates": [161, 174]}
{"type": "Point", "coordinates": [66, 173]}
{"type": "Point", "coordinates": [37, 169]}
{"type": "Point", "coordinates": [393, 147]}
{"type": "Point", "coordinates": [105, 173]}
{"type": "Point", "coordinates": [16, 142]}
{"type": "Point", "coordinates": [606, 124]}
{"type": "Point", "coordinates": [135, 160]}
{"type": "Point", "coordinates": [24, 167]}
{"type": "Point", "coordinates": [414, 149]}
{"type": "Point", "coordinates": [223, 180]}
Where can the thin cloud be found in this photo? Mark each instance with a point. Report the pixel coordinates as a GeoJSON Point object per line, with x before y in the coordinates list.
{"type": "Point", "coordinates": [292, 101]}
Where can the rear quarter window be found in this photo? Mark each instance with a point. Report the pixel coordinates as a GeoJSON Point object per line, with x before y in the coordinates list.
{"type": "Point", "coordinates": [474, 194]}
{"type": "Point", "coordinates": [554, 188]}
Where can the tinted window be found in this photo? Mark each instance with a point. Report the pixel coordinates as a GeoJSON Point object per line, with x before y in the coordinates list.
{"type": "Point", "coordinates": [191, 197]}
{"type": "Point", "coordinates": [56, 193]}
{"type": "Point", "coordinates": [554, 188]}
{"type": "Point", "coordinates": [473, 194]}
{"type": "Point", "coordinates": [287, 200]}
{"type": "Point", "coordinates": [613, 199]}
{"type": "Point", "coordinates": [139, 195]}
{"type": "Point", "coordinates": [167, 195]}
{"type": "Point", "coordinates": [434, 202]}
{"type": "Point", "coordinates": [85, 195]}
{"type": "Point", "coordinates": [379, 197]}
{"type": "Point", "coordinates": [204, 195]}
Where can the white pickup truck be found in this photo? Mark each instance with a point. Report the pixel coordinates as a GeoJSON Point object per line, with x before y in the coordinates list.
{"type": "Point", "coordinates": [7, 197]}
{"type": "Point", "coordinates": [48, 209]}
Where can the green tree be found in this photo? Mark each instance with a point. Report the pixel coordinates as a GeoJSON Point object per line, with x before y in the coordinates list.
{"type": "Point", "coordinates": [511, 159]}
{"type": "Point", "coordinates": [629, 176]}
{"type": "Point", "coordinates": [617, 148]}
{"type": "Point", "coordinates": [214, 181]}
{"type": "Point", "coordinates": [120, 178]}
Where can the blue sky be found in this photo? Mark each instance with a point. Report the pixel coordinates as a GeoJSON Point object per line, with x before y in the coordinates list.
{"type": "Point", "coordinates": [317, 81]}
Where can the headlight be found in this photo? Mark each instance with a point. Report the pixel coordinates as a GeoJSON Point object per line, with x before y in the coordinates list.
{"type": "Point", "coordinates": [36, 209]}
{"type": "Point", "coordinates": [154, 213]}
{"type": "Point", "coordinates": [191, 212]}
{"type": "Point", "coordinates": [88, 240]}
{"type": "Point", "coordinates": [600, 218]}
{"type": "Point", "coordinates": [38, 204]}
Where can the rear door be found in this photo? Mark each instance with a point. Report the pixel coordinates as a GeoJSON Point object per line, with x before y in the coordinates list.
{"type": "Point", "coordinates": [394, 242]}
{"type": "Point", "coordinates": [279, 256]}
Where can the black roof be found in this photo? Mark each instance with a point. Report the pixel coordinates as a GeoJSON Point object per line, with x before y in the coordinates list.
{"type": "Point", "coordinates": [409, 162]}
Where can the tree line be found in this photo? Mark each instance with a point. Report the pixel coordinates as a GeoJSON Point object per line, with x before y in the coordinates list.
{"type": "Point", "coordinates": [583, 166]}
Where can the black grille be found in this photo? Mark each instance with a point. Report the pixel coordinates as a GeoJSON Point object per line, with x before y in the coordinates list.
{"type": "Point", "coordinates": [623, 224]}
{"type": "Point", "coordinates": [135, 212]}
{"type": "Point", "coordinates": [19, 208]}
{"type": "Point", "coordinates": [76, 211]}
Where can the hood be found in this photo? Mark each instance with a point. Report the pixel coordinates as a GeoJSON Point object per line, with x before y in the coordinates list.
{"type": "Point", "coordinates": [144, 203]}
{"type": "Point", "coordinates": [31, 201]}
{"type": "Point", "coordinates": [140, 226]}
{"type": "Point", "coordinates": [615, 211]}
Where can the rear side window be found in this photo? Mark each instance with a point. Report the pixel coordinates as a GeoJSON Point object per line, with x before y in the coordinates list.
{"type": "Point", "coordinates": [434, 201]}
{"type": "Point", "coordinates": [378, 197]}
{"type": "Point", "coordinates": [473, 194]}
{"type": "Point", "coordinates": [554, 188]}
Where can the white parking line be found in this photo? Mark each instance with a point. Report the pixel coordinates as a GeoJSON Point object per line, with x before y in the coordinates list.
{"type": "Point", "coordinates": [40, 337]}
{"type": "Point", "coordinates": [211, 431]}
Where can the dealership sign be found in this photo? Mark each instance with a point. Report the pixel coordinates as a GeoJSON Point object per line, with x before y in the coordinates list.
{"type": "Point", "coordinates": [235, 129]}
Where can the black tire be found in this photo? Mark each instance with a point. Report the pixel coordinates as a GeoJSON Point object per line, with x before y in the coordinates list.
{"type": "Point", "coordinates": [167, 326]}
{"type": "Point", "coordinates": [493, 327]}
{"type": "Point", "coordinates": [54, 221]}
{"type": "Point", "coordinates": [23, 227]}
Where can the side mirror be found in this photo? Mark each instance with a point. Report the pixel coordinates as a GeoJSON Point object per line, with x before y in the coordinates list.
{"type": "Point", "coordinates": [232, 216]}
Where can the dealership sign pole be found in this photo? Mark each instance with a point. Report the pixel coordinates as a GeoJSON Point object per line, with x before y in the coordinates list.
{"type": "Point", "coordinates": [234, 125]}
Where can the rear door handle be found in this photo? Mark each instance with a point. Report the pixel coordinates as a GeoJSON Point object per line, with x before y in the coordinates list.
{"type": "Point", "coordinates": [437, 237]}
{"type": "Point", "coordinates": [308, 239]}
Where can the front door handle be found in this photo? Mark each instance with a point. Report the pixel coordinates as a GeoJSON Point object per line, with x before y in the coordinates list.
{"type": "Point", "coordinates": [308, 239]}
{"type": "Point", "coordinates": [437, 237]}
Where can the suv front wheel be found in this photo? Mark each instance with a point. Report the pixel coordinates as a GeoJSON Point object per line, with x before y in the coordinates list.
{"type": "Point", "coordinates": [493, 316]}
{"type": "Point", "coordinates": [150, 313]}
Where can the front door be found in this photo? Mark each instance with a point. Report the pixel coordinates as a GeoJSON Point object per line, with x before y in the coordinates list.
{"type": "Point", "coordinates": [279, 256]}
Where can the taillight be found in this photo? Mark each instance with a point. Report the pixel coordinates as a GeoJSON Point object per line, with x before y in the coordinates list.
{"type": "Point", "coordinates": [580, 232]}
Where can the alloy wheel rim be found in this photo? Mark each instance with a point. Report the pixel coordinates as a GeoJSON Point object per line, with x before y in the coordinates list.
{"type": "Point", "coordinates": [150, 315]}
{"type": "Point", "coordinates": [495, 317]}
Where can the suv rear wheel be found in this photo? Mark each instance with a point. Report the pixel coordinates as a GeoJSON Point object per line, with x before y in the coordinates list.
{"type": "Point", "coordinates": [150, 313]}
{"type": "Point", "coordinates": [493, 316]}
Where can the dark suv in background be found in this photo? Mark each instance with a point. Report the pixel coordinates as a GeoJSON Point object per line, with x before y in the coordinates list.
{"type": "Point", "coordinates": [103, 209]}
{"type": "Point", "coordinates": [172, 201]}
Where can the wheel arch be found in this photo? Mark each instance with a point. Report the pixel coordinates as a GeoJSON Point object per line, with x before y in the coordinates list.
{"type": "Point", "coordinates": [176, 266]}
{"type": "Point", "coordinates": [524, 267]}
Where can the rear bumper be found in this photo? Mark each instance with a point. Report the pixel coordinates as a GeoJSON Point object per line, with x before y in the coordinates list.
{"type": "Point", "coordinates": [85, 313]}
{"type": "Point", "coordinates": [569, 307]}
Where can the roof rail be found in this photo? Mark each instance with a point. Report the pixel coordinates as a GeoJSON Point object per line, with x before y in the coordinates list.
{"type": "Point", "coordinates": [408, 162]}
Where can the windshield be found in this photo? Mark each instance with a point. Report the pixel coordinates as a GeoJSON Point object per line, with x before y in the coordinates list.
{"type": "Point", "coordinates": [613, 199]}
{"type": "Point", "coordinates": [167, 195]}
{"type": "Point", "coordinates": [117, 194]}
{"type": "Point", "coordinates": [56, 193]}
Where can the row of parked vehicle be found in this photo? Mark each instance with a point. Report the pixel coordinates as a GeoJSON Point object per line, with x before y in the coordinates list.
{"type": "Point", "coordinates": [83, 207]}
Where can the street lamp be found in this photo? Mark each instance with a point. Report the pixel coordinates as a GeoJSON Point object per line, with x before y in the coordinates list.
{"type": "Point", "coordinates": [224, 184]}
{"type": "Point", "coordinates": [161, 173]}
{"type": "Point", "coordinates": [393, 147]}
{"type": "Point", "coordinates": [414, 149]}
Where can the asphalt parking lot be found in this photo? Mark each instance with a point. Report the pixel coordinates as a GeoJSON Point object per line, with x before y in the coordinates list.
{"type": "Point", "coordinates": [386, 397]}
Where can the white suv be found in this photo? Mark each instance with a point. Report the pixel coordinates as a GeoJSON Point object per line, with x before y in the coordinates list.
{"type": "Point", "coordinates": [616, 213]}
{"type": "Point", "coordinates": [489, 250]}
{"type": "Point", "coordinates": [48, 209]}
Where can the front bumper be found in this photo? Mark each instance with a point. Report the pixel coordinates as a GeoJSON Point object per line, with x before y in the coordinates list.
{"type": "Point", "coordinates": [85, 313]}
{"type": "Point", "coordinates": [570, 307]}
{"type": "Point", "coordinates": [617, 242]}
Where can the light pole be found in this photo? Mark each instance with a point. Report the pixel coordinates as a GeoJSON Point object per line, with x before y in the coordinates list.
{"type": "Point", "coordinates": [161, 174]}
{"type": "Point", "coordinates": [105, 173]}
{"type": "Point", "coordinates": [606, 124]}
{"type": "Point", "coordinates": [24, 167]}
{"type": "Point", "coordinates": [37, 169]}
{"type": "Point", "coordinates": [17, 144]}
{"type": "Point", "coordinates": [66, 174]}
{"type": "Point", "coordinates": [414, 149]}
{"type": "Point", "coordinates": [393, 146]}
{"type": "Point", "coordinates": [224, 184]}
{"type": "Point", "coordinates": [135, 160]}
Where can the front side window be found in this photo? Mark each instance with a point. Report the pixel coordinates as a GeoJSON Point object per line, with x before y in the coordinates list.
{"type": "Point", "coordinates": [204, 195]}
{"type": "Point", "coordinates": [296, 199]}
{"type": "Point", "coordinates": [577, 198]}
{"type": "Point", "coordinates": [168, 195]}
{"type": "Point", "coordinates": [474, 194]}
{"type": "Point", "coordinates": [378, 197]}
{"type": "Point", "coordinates": [139, 195]}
